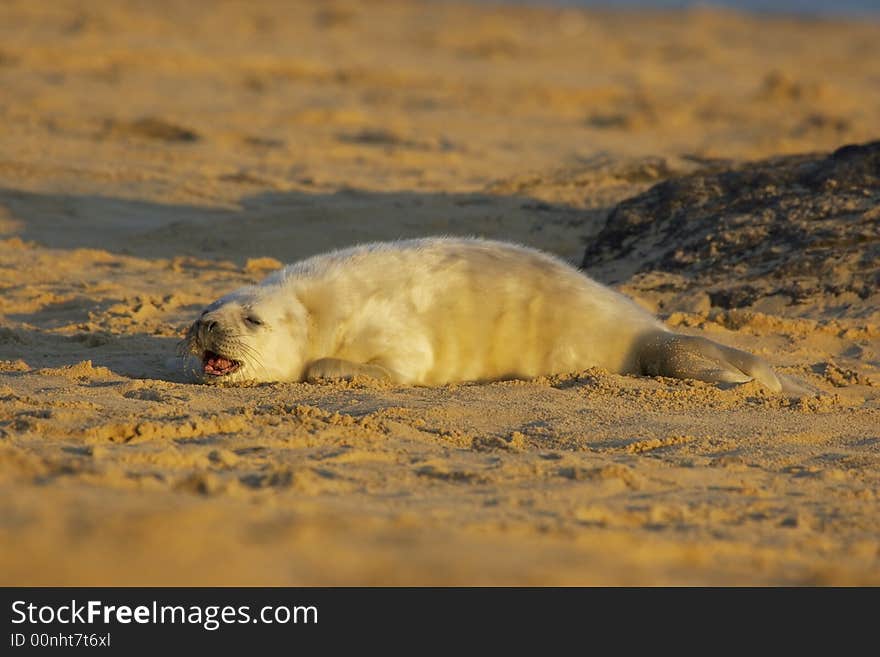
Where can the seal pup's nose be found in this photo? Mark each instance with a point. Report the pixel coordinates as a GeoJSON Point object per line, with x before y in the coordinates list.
{"type": "Point", "coordinates": [205, 327]}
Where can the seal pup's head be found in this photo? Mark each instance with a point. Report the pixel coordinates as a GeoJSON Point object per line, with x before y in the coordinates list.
{"type": "Point", "coordinates": [248, 335]}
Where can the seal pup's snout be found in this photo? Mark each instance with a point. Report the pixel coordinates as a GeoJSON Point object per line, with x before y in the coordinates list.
{"type": "Point", "coordinates": [214, 345]}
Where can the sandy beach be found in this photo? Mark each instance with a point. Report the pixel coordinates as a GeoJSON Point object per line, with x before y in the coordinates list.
{"type": "Point", "coordinates": [156, 156]}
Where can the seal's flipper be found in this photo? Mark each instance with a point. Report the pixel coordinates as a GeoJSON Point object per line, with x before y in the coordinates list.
{"type": "Point", "coordinates": [692, 357]}
{"type": "Point", "coordinates": [337, 368]}
{"type": "Point", "coordinates": [797, 388]}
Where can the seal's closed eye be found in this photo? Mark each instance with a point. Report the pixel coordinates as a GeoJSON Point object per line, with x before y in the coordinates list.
{"type": "Point", "coordinates": [253, 321]}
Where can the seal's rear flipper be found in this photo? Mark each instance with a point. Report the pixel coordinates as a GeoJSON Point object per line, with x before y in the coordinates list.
{"type": "Point", "coordinates": [692, 357]}
{"type": "Point", "coordinates": [796, 388]}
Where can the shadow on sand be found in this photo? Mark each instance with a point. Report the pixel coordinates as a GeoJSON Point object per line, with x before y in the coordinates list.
{"type": "Point", "coordinates": [293, 225]}
{"type": "Point", "coordinates": [137, 356]}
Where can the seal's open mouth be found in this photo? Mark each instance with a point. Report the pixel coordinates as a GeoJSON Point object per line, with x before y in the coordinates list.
{"type": "Point", "coordinates": [217, 365]}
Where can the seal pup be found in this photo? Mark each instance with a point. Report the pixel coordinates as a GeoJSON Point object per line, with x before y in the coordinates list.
{"type": "Point", "coordinates": [444, 310]}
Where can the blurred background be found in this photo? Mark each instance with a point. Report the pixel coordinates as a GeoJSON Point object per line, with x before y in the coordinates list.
{"type": "Point", "coordinates": [228, 110]}
{"type": "Point", "coordinates": [803, 7]}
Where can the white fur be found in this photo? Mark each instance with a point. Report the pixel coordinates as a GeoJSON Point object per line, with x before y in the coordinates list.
{"type": "Point", "coordinates": [433, 311]}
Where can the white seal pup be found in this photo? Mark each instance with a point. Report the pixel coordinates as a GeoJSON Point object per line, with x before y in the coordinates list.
{"type": "Point", "coordinates": [443, 310]}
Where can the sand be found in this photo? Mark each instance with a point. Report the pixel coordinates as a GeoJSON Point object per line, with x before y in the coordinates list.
{"type": "Point", "coordinates": [157, 155]}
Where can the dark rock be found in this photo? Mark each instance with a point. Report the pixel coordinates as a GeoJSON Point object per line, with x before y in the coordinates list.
{"type": "Point", "coordinates": [801, 225]}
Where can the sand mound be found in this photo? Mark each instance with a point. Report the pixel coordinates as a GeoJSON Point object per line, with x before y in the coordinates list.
{"type": "Point", "coordinates": [802, 227]}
